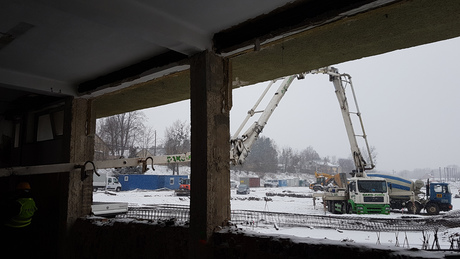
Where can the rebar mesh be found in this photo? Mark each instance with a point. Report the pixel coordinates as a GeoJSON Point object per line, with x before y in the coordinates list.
{"type": "Point", "coordinates": [181, 213]}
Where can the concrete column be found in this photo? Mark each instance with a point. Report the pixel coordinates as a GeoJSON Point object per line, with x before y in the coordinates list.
{"type": "Point", "coordinates": [81, 150]}
{"type": "Point", "coordinates": [76, 194]}
{"type": "Point", "coordinates": [210, 96]}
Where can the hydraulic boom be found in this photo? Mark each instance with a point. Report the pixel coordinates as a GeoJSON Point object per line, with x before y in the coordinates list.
{"type": "Point", "coordinates": [241, 146]}
{"type": "Point", "coordinates": [341, 82]}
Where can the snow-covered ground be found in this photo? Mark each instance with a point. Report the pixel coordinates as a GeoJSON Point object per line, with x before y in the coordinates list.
{"type": "Point", "coordinates": [291, 205]}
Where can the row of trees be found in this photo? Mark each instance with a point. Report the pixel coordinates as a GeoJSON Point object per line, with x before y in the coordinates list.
{"type": "Point", "coordinates": [265, 156]}
{"type": "Point", "coordinates": [125, 135]}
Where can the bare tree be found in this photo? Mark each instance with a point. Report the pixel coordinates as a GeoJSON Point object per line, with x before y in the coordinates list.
{"type": "Point", "coordinates": [373, 154]}
{"type": "Point", "coordinates": [347, 165]}
{"type": "Point", "coordinates": [309, 154]}
{"type": "Point", "coordinates": [308, 158]}
{"type": "Point", "coordinates": [119, 132]}
{"type": "Point", "coordinates": [285, 158]}
{"type": "Point", "coordinates": [177, 140]}
{"type": "Point", "coordinates": [145, 140]}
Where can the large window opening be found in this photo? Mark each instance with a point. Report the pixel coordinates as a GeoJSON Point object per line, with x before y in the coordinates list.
{"type": "Point", "coordinates": [406, 98]}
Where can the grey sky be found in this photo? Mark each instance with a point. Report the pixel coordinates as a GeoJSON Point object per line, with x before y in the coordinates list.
{"type": "Point", "coordinates": [409, 100]}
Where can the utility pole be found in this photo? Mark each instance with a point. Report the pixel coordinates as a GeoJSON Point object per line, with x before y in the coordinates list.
{"type": "Point", "coordinates": [155, 145]}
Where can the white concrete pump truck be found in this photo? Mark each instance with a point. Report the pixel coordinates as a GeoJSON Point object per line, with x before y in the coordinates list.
{"type": "Point", "coordinates": [362, 194]}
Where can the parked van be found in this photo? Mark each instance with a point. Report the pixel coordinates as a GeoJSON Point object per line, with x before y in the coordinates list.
{"type": "Point", "coordinates": [106, 182]}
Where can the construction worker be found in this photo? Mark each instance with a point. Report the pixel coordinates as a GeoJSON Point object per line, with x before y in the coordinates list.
{"type": "Point", "coordinates": [17, 219]}
{"type": "Point", "coordinates": [21, 210]}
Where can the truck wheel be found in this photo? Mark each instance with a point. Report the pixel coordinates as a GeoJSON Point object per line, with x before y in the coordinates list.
{"type": "Point", "coordinates": [432, 209]}
{"type": "Point", "coordinates": [349, 208]}
{"type": "Point", "coordinates": [418, 207]}
{"type": "Point", "coordinates": [94, 189]}
{"type": "Point", "coordinates": [118, 189]}
{"type": "Point", "coordinates": [413, 208]}
{"type": "Point", "coordinates": [333, 207]}
{"type": "Point", "coordinates": [343, 208]}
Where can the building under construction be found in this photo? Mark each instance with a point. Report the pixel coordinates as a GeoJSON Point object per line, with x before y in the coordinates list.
{"type": "Point", "coordinates": [64, 64]}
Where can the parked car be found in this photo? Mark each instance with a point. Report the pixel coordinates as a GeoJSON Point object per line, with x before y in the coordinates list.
{"type": "Point", "coordinates": [271, 183]}
{"type": "Point", "coordinates": [243, 189]}
{"type": "Point", "coordinates": [233, 184]}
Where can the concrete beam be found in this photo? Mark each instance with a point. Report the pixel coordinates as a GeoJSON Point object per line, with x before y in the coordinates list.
{"type": "Point", "coordinates": [171, 88]}
{"type": "Point", "coordinates": [398, 25]}
{"type": "Point", "coordinates": [210, 105]}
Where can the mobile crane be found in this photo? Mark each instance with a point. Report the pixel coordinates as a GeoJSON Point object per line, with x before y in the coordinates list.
{"type": "Point", "coordinates": [362, 194]}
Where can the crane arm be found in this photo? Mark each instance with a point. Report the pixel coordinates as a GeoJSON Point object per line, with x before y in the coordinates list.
{"type": "Point", "coordinates": [241, 145]}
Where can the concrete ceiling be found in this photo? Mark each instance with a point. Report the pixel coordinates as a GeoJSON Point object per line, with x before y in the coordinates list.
{"type": "Point", "coordinates": [118, 51]}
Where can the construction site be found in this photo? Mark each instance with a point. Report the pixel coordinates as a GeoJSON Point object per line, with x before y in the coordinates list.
{"type": "Point", "coordinates": [65, 65]}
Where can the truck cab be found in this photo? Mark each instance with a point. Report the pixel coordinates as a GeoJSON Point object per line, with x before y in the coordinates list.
{"type": "Point", "coordinates": [113, 184]}
{"type": "Point", "coordinates": [362, 195]}
{"type": "Point", "coordinates": [440, 197]}
{"type": "Point", "coordinates": [368, 195]}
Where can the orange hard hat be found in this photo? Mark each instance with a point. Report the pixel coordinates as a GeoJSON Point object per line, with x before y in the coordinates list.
{"type": "Point", "coordinates": [23, 186]}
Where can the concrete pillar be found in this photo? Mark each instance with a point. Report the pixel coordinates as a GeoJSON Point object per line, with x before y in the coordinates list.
{"type": "Point", "coordinates": [76, 194]}
{"type": "Point", "coordinates": [210, 96]}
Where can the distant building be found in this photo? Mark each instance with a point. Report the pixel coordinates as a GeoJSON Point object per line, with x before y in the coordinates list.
{"type": "Point", "coordinates": [144, 153]}
{"type": "Point", "coordinates": [149, 182]}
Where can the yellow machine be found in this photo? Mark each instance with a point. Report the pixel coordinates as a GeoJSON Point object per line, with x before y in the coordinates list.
{"type": "Point", "coordinates": [323, 180]}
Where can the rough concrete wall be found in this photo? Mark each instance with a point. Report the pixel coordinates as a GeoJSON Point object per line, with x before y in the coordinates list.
{"type": "Point", "coordinates": [127, 240]}
{"type": "Point", "coordinates": [230, 245]}
{"type": "Point", "coordinates": [116, 239]}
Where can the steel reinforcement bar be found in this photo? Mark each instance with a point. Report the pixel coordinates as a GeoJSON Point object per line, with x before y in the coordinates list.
{"type": "Point", "coordinates": [181, 213]}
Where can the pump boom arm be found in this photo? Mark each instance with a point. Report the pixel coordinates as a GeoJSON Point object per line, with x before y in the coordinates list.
{"type": "Point", "coordinates": [241, 146]}
{"type": "Point", "coordinates": [341, 81]}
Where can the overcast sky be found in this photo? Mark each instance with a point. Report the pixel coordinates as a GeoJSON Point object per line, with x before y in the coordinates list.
{"type": "Point", "coordinates": [409, 100]}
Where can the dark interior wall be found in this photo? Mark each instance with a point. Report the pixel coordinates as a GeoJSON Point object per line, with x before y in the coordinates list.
{"type": "Point", "coordinates": [106, 239]}
{"type": "Point", "coordinates": [21, 148]}
{"type": "Point", "coordinates": [28, 150]}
